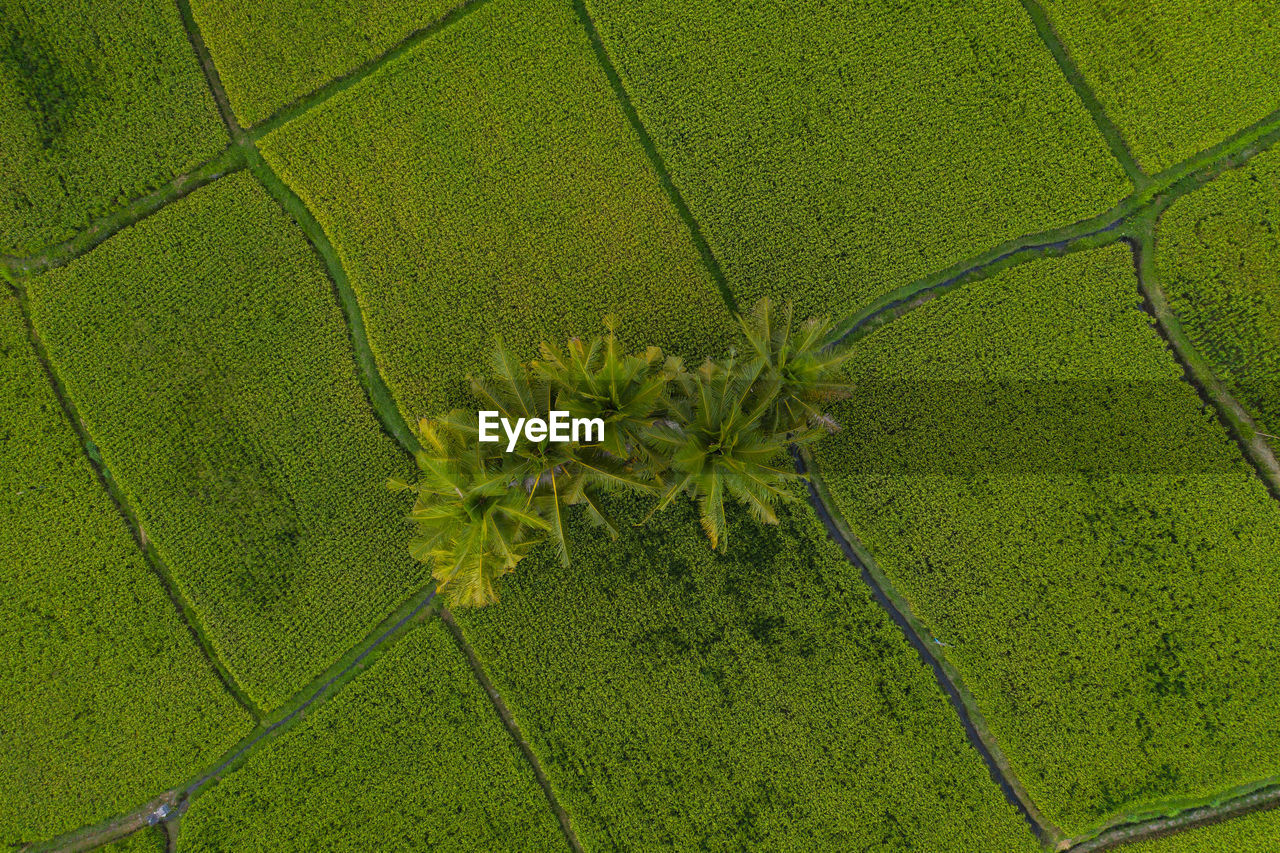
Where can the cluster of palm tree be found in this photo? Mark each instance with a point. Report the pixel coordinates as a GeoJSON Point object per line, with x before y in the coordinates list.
{"type": "Point", "coordinates": [717, 433]}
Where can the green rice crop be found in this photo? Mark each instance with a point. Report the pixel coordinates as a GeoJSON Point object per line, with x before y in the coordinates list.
{"type": "Point", "coordinates": [1253, 833]}
{"type": "Point", "coordinates": [274, 52]}
{"type": "Point", "coordinates": [1176, 76]}
{"type": "Point", "coordinates": [485, 183]}
{"type": "Point", "coordinates": [100, 102]}
{"type": "Point", "coordinates": [1026, 464]}
{"type": "Point", "coordinates": [206, 352]}
{"type": "Point", "coordinates": [410, 756]}
{"type": "Point", "coordinates": [104, 696]}
{"type": "Point", "coordinates": [1218, 256]}
{"type": "Point", "coordinates": [759, 700]}
{"type": "Point", "coordinates": [834, 152]}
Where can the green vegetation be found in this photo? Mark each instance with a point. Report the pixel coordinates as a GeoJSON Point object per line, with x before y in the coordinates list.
{"type": "Point", "coordinates": [718, 434]}
{"type": "Point", "coordinates": [684, 699]}
{"type": "Point", "coordinates": [99, 103]}
{"type": "Point", "coordinates": [1218, 256]}
{"type": "Point", "coordinates": [151, 839]}
{"type": "Point", "coordinates": [206, 352]}
{"type": "Point", "coordinates": [1176, 77]}
{"type": "Point", "coordinates": [1255, 833]}
{"type": "Point", "coordinates": [410, 756]}
{"type": "Point", "coordinates": [1096, 559]}
{"type": "Point", "coordinates": [272, 53]}
{"type": "Point", "coordinates": [105, 699]}
{"type": "Point", "coordinates": [498, 191]}
{"type": "Point", "coordinates": [834, 152]}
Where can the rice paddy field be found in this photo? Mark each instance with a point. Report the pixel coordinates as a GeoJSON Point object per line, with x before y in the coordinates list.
{"type": "Point", "coordinates": [1025, 598]}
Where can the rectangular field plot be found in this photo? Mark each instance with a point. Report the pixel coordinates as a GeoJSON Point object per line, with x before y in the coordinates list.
{"type": "Point", "coordinates": [679, 699]}
{"type": "Point", "coordinates": [834, 152]}
{"type": "Point", "coordinates": [104, 696]}
{"type": "Point", "coordinates": [100, 102]}
{"type": "Point", "coordinates": [1176, 76]}
{"type": "Point", "coordinates": [1218, 257]}
{"type": "Point", "coordinates": [272, 52]}
{"type": "Point", "coordinates": [487, 183]}
{"type": "Point", "coordinates": [1026, 464]}
{"type": "Point", "coordinates": [410, 756]}
{"type": "Point", "coordinates": [209, 359]}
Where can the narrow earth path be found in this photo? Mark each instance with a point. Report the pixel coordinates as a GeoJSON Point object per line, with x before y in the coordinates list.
{"type": "Point", "coordinates": [1197, 371]}
{"type": "Point", "coordinates": [1124, 221]}
{"type": "Point", "coordinates": [322, 688]}
{"type": "Point", "coordinates": [512, 727]}
{"type": "Point", "coordinates": [1259, 800]}
{"type": "Point", "coordinates": [229, 161]}
{"type": "Point", "coordinates": [962, 702]}
{"type": "Point", "coordinates": [655, 158]}
{"type": "Point", "coordinates": [1115, 139]}
{"type": "Point", "coordinates": [354, 76]}
{"type": "Point", "coordinates": [185, 611]}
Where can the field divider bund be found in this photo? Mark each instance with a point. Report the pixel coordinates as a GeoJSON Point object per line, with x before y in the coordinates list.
{"type": "Point", "coordinates": [229, 161]}
{"type": "Point", "coordinates": [380, 399]}
{"type": "Point", "coordinates": [322, 688]}
{"type": "Point", "coordinates": [1197, 371]}
{"type": "Point", "coordinates": [512, 727]}
{"type": "Point", "coordinates": [1114, 138]}
{"type": "Point", "coordinates": [183, 608]}
{"type": "Point", "coordinates": [1123, 221]}
{"type": "Point", "coordinates": [922, 640]}
{"type": "Point", "coordinates": [1238, 802]}
{"type": "Point", "coordinates": [339, 84]}
{"type": "Point", "coordinates": [708, 257]}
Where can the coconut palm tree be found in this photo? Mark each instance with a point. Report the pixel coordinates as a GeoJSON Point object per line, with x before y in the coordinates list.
{"type": "Point", "coordinates": [718, 448]}
{"type": "Point", "coordinates": [472, 526]}
{"type": "Point", "coordinates": [597, 379]}
{"type": "Point", "coordinates": [805, 371]}
{"type": "Point", "coordinates": [555, 475]}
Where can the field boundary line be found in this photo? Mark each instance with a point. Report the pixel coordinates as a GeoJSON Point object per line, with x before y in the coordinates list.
{"type": "Point", "coordinates": [322, 688]}
{"type": "Point", "coordinates": [375, 388]}
{"type": "Point", "coordinates": [655, 158]}
{"type": "Point", "coordinates": [1239, 802]}
{"type": "Point", "coordinates": [210, 71]}
{"type": "Point", "coordinates": [185, 612]}
{"type": "Point", "coordinates": [1123, 221]}
{"type": "Point", "coordinates": [1197, 371]}
{"type": "Point", "coordinates": [922, 640]}
{"type": "Point", "coordinates": [307, 102]}
{"type": "Point", "coordinates": [229, 161]}
{"type": "Point", "coordinates": [512, 727]}
{"type": "Point", "coordinates": [390, 416]}
{"type": "Point", "coordinates": [1110, 132]}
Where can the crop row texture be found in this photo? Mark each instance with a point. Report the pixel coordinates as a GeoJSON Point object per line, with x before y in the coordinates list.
{"type": "Point", "coordinates": [1079, 533]}
{"type": "Point", "coordinates": [488, 183]}
{"type": "Point", "coordinates": [410, 756]}
{"type": "Point", "coordinates": [1218, 255]}
{"type": "Point", "coordinates": [100, 102]}
{"type": "Point", "coordinates": [1176, 76]}
{"type": "Point", "coordinates": [834, 152]}
{"type": "Point", "coordinates": [269, 54]}
{"type": "Point", "coordinates": [104, 697]}
{"type": "Point", "coordinates": [208, 357]}
{"type": "Point", "coordinates": [759, 700]}
{"type": "Point", "coordinates": [1255, 833]}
